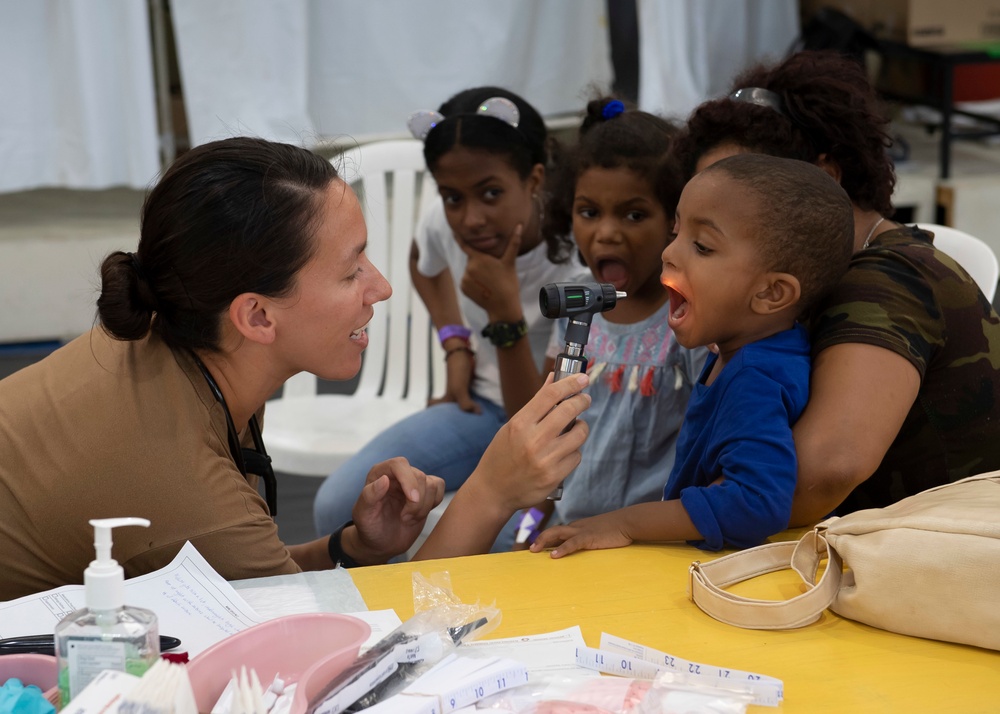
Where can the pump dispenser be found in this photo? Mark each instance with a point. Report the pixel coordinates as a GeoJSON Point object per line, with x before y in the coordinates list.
{"type": "Point", "coordinates": [106, 634]}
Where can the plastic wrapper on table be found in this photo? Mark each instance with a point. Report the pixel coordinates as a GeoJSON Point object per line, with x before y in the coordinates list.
{"type": "Point", "coordinates": [668, 694]}
{"type": "Point", "coordinates": [441, 623]}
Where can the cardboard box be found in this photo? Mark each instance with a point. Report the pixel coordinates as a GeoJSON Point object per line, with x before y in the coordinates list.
{"type": "Point", "coordinates": [920, 22]}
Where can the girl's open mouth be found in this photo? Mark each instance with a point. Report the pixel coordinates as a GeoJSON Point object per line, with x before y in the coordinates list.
{"type": "Point", "coordinates": [614, 272]}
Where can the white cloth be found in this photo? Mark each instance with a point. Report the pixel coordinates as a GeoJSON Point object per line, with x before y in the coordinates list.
{"type": "Point", "coordinates": [439, 250]}
{"type": "Point", "coordinates": [244, 66]}
{"type": "Point", "coordinates": [79, 109]}
{"type": "Point", "coordinates": [690, 50]}
{"type": "Point", "coordinates": [302, 70]}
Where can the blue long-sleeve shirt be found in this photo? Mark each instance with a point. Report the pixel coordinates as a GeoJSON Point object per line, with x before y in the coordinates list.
{"type": "Point", "coordinates": [740, 428]}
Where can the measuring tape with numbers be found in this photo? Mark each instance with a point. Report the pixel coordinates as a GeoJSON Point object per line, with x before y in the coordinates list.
{"type": "Point", "coordinates": [490, 683]}
{"type": "Point", "coordinates": [766, 691]}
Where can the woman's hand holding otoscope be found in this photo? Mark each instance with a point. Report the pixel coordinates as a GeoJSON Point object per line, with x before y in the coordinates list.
{"type": "Point", "coordinates": [579, 302]}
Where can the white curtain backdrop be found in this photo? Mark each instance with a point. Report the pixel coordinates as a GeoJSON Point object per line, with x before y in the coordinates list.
{"type": "Point", "coordinates": [309, 70]}
{"type": "Point", "coordinates": [244, 68]}
{"type": "Point", "coordinates": [689, 50]}
{"type": "Point", "coordinates": [77, 98]}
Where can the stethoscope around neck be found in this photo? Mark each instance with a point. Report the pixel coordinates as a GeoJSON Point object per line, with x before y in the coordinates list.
{"type": "Point", "coordinates": [254, 460]}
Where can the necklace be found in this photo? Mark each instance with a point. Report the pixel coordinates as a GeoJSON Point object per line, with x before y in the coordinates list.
{"type": "Point", "coordinates": [872, 232]}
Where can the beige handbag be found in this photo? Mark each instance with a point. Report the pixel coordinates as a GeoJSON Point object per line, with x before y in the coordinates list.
{"type": "Point", "coordinates": [927, 566]}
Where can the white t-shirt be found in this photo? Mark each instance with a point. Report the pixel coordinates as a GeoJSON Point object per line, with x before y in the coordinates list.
{"type": "Point", "coordinates": [440, 250]}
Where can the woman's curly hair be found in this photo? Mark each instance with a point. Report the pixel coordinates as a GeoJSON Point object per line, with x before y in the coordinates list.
{"type": "Point", "coordinates": [830, 110]}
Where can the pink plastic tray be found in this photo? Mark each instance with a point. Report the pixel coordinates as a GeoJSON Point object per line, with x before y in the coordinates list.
{"type": "Point", "coordinates": [38, 669]}
{"type": "Point", "coordinates": [309, 649]}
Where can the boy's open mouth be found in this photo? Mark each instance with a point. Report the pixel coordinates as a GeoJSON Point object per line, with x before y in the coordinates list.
{"type": "Point", "coordinates": [678, 305]}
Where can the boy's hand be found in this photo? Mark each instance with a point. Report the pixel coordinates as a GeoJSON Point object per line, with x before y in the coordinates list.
{"type": "Point", "coordinates": [604, 531]}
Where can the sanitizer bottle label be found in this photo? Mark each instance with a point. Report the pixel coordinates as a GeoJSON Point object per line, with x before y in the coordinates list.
{"type": "Point", "coordinates": [88, 658]}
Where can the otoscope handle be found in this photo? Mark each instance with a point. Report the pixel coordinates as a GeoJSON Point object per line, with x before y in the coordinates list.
{"type": "Point", "coordinates": [579, 302]}
{"type": "Point", "coordinates": [570, 362]}
{"type": "Point", "coordinates": [567, 364]}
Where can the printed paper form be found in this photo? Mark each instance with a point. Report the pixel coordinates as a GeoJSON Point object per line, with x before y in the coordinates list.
{"type": "Point", "coordinates": [195, 604]}
{"type": "Point", "coordinates": [191, 601]}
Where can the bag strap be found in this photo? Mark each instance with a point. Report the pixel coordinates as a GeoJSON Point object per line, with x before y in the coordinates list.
{"type": "Point", "coordinates": [707, 581]}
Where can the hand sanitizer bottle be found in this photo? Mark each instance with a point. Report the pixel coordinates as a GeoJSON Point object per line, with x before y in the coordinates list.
{"type": "Point", "coordinates": [106, 634]}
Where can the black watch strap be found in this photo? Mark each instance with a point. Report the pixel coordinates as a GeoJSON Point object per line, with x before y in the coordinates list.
{"type": "Point", "coordinates": [337, 555]}
{"type": "Point", "coordinates": [505, 334]}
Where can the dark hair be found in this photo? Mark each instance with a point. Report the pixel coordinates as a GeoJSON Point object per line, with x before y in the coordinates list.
{"type": "Point", "coordinates": [805, 221]}
{"type": "Point", "coordinates": [228, 217]}
{"type": "Point", "coordinates": [829, 108]}
{"type": "Point", "coordinates": [523, 146]}
{"type": "Point", "coordinates": [629, 139]}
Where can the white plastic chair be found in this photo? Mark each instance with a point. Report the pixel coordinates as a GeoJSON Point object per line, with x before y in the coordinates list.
{"type": "Point", "coordinates": [311, 434]}
{"type": "Point", "coordinates": [971, 253]}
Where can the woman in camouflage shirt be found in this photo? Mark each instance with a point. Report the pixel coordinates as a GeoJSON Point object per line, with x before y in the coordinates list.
{"type": "Point", "coordinates": [906, 350]}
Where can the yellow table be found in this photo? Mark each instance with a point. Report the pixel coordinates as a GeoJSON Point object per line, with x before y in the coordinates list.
{"type": "Point", "coordinates": [640, 593]}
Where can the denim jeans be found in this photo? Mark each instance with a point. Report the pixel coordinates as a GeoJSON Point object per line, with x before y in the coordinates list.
{"type": "Point", "coordinates": [441, 440]}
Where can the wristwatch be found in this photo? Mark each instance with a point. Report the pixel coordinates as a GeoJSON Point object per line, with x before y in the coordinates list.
{"type": "Point", "coordinates": [505, 334]}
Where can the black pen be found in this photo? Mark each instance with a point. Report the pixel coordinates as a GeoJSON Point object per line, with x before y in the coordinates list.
{"type": "Point", "coordinates": [399, 679]}
{"type": "Point", "coordinates": [45, 644]}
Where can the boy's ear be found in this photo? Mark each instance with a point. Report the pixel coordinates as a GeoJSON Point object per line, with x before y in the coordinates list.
{"type": "Point", "coordinates": [781, 290]}
{"type": "Point", "coordinates": [253, 318]}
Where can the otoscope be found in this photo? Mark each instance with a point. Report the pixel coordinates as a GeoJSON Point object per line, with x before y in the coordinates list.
{"type": "Point", "coordinates": [579, 302]}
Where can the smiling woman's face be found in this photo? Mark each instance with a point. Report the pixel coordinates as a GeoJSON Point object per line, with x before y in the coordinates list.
{"type": "Point", "coordinates": [485, 198]}
{"type": "Point", "coordinates": [321, 324]}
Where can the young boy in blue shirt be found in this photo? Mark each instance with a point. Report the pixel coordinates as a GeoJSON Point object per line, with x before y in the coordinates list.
{"type": "Point", "coordinates": [758, 240]}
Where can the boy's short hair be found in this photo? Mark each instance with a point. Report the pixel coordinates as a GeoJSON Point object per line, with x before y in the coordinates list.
{"type": "Point", "coordinates": [805, 220]}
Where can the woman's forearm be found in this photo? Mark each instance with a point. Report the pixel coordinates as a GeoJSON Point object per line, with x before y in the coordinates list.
{"type": "Point", "coordinates": [469, 525]}
{"type": "Point", "coordinates": [437, 293]}
{"type": "Point", "coordinates": [314, 555]}
{"type": "Point", "coordinates": [859, 398]}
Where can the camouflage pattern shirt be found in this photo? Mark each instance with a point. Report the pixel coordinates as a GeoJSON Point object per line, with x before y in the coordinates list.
{"type": "Point", "coordinates": [906, 296]}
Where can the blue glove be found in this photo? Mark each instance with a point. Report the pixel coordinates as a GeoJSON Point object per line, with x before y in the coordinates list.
{"type": "Point", "coordinates": [15, 698]}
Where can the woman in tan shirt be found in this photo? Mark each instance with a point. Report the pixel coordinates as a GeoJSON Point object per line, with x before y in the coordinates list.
{"type": "Point", "coordinates": [251, 267]}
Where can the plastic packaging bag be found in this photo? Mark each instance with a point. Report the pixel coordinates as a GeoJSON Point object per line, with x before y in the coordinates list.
{"type": "Point", "coordinates": [667, 694]}
{"type": "Point", "coordinates": [441, 622]}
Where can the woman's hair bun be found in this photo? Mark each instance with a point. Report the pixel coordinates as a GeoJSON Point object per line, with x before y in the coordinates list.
{"type": "Point", "coordinates": [126, 304]}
